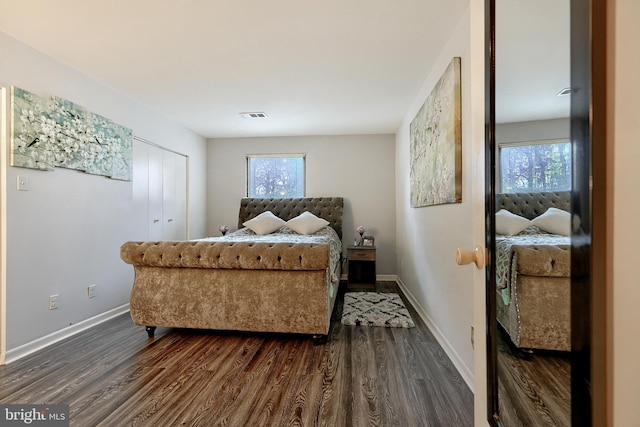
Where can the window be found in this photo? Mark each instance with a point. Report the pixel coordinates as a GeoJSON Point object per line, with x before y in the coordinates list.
{"type": "Point", "coordinates": [535, 166]}
{"type": "Point", "coordinates": [278, 175]}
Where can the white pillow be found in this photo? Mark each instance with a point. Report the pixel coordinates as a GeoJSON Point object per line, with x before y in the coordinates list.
{"type": "Point", "coordinates": [509, 223]}
{"type": "Point", "coordinates": [264, 223]}
{"type": "Point", "coordinates": [554, 221]}
{"type": "Point", "coordinates": [306, 223]}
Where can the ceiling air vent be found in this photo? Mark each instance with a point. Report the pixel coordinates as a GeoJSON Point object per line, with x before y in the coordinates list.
{"type": "Point", "coordinates": [254, 115]}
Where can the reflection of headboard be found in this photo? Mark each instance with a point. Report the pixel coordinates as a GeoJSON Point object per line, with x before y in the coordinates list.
{"type": "Point", "coordinates": [329, 208]}
{"type": "Point", "coordinates": [530, 205]}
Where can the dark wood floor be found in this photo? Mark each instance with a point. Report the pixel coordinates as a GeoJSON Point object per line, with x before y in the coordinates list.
{"type": "Point", "coordinates": [534, 392]}
{"type": "Point", "coordinates": [113, 375]}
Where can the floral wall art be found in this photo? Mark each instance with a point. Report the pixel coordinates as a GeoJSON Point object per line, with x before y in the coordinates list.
{"type": "Point", "coordinates": [436, 144]}
{"type": "Point", "coordinates": [49, 133]}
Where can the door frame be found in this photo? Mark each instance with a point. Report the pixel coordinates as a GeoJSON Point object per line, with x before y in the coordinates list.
{"type": "Point", "coordinates": [490, 204]}
{"type": "Point", "coordinates": [588, 243]}
{"type": "Point", "coordinates": [4, 141]}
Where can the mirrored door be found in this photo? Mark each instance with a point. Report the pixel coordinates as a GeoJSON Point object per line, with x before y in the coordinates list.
{"type": "Point", "coordinates": [540, 164]}
{"type": "Point", "coordinates": [533, 174]}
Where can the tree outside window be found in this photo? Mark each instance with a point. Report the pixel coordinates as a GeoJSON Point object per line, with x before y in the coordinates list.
{"type": "Point", "coordinates": [535, 167]}
{"type": "Point", "coordinates": [277, 176]}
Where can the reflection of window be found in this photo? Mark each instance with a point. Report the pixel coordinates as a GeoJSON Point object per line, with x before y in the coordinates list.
{"type": "Point", "coordinates": [278, 175]}
{"type": "Point", "coordinates": [535, 166]}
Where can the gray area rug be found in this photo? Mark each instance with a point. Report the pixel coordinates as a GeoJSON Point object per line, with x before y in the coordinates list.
{"type": "Point", "coordinates": [375, 309]}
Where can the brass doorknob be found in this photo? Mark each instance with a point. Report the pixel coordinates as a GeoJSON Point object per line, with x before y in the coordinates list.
{"type": "Point", "coordinates": [466, 256]}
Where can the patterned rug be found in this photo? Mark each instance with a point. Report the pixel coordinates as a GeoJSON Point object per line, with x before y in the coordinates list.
{"type": "Point", "coordinates": [375, 309]}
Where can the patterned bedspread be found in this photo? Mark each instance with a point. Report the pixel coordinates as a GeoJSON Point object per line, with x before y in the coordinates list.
{"type": "Point", "coordinates": [506, 257]}
{"type": "Point", "coordinates": [286, 235]}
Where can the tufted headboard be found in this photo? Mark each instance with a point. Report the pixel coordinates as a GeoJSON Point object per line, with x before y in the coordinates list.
{"type": "Point", "coordinates": [329, 208]}
{"type": "Point", "coordinates": [530, 205]}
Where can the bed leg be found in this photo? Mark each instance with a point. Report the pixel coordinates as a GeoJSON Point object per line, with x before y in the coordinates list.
{"type": "Point", "coordinates": [150, 331]}
{"type": "Point", "coordinates": [524, 354]}
{"type": "Point", "coordinates": [319, 339]}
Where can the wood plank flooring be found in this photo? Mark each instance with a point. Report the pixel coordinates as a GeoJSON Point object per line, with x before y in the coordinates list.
{"type": "Point", "coordinates": [534, 392]}
{"type": "Point", "coordinates": [113, 375]}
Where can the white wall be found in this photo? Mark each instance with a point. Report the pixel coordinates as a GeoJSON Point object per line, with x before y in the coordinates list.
{"type": "Point", "coordinates": [359, 168]}
{"type": "Point", "coordinates": [536, 130]}
{"type": "Point", "coordinates": [65, 232]}
{"type": "Point", "coordinates": [427, 237]}
{"type": "Point", "coordinates": [624, 180]}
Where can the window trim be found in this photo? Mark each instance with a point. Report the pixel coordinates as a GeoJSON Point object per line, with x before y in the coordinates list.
{"type": "Point", "coordinates": [511, 144]}
{"type": "Point", "coordinates": [248, 158]}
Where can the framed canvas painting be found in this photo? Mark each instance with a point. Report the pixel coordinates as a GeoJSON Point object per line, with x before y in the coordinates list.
{"type": "Point", "coordinates": [54, 132]}
{"type": "Point", "coordinates": [436, 144]}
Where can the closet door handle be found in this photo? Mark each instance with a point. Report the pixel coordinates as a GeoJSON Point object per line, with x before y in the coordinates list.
{"type": "Point", "coordinates": [170, 220]}
{"type": "Point", "coordinates": [156, 221]}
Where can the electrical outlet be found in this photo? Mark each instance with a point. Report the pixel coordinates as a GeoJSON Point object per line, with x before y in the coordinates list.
{"type": "Point", "coordinates": [91, 291]}
{"type": "Point", "coordinates": [53, 302]}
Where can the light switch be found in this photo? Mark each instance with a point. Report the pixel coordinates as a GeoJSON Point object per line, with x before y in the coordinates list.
{"type": "Point", "coordinates": [23, 183]}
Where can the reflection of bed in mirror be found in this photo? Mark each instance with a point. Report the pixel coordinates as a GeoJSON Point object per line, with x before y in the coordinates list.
{"type": "Point", "coordinates": [534, 269]}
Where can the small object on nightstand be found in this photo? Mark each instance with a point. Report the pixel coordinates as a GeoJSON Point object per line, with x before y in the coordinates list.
{"type": "Point", "coordinates": [223, 229]}
{"type": "Point", "coordinates": [360, 231]}
{"type": "Point", "coordinates": [361, 267]}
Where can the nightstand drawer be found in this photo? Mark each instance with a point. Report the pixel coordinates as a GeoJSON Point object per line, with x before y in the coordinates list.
{"type": "Point", "coordinates": [363, 254]}
{"type": "Point", "coordinates": [361, 267]}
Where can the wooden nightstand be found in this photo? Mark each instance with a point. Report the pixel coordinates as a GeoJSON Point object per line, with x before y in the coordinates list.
{"type": "Point", "coordinates": [361, 265]}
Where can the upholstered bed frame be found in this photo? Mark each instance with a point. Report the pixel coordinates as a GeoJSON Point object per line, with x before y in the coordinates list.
{"type": "Point", "coordinates": [539, 315]}
{"type": "Point", "coordinates": [531, 205]}
{"type": "Point", "coordinates": [276, 287]}
{"type": "Point", "coordinates": [329, 208]}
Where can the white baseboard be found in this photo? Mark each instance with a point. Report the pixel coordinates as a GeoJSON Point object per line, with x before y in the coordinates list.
{"type": "Point", "coordinates": [462, 368]}
{"type": "Point", "coordinates": [379, 277]}
{"type": "Point", "coordinates": [40, 343]}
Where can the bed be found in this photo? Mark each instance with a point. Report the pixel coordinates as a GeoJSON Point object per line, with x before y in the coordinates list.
{"type": "Point", "coordinates": [280, 282]}
{"type": "Point", "coordinates": [533, 273]}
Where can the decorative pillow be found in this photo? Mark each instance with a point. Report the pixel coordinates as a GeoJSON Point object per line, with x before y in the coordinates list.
{"type": "Point", "coordinates": [554, 221]}
{"type": "Point", "coordinates": [264, 223]}
{"type": "Point", "coordinates": [306, 223]}
{"type": "Point", "coordinates": [509, 224]}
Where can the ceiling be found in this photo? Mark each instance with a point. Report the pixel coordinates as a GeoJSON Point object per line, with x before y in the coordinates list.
{"type": "Point", "coordinates": [315, 68]}
{"type": "Point", "coordinates": [532, 59]}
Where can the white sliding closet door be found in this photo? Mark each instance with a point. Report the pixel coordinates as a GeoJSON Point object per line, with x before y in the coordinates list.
{"type": "Point", "coordinates": [180, 228]}
{"type": "Point", "coordinates": [174, 196]}
{"type": "Point", "coordinates": [160, 192]}
{"type": "Point", "coordinates": [156, 193]}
